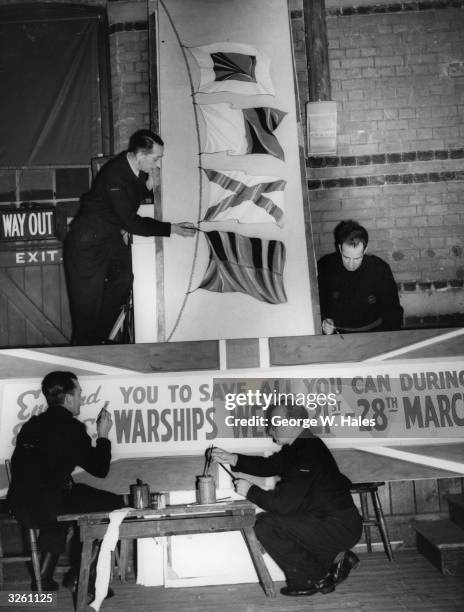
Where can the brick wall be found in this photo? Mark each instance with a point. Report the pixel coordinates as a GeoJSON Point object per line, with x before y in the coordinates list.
{"type": "Point", "coordinates": [399, 164]}
{"type": "Point", "coordinates": [128, 35]}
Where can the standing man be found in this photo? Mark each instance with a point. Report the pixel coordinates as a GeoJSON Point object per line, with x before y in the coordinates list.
{"type": "Point", "coordinates": [310, 518]}
{"type": "Point", "coordinates": [357, 292]}
{"type": "Point", "coordinates": [48, 448]}
{"type": "Point", "coordinates": [97, 260]}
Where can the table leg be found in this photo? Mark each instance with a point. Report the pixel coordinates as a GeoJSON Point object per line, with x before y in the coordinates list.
{"type": "Point", "coordinates": [84, 575]}
{"type": "Point", "coordinates": [123, 559]}
{"type": "Point", "coordinates": [261, 569]}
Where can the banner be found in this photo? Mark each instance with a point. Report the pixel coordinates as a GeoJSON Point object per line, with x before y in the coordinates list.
{"type": "Point", "coordinates": [183, 413]}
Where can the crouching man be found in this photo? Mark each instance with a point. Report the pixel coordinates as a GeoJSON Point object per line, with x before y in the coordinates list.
{"type": "Point", "coordinates": [309, 521]}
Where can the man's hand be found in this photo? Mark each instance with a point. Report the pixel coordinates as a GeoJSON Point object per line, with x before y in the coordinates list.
{"type": "Point", "coordinates": [104, 424]}
{"type": "Point", "coordinates": [242, 486]}
{"type": "Point", "coordinates": [218, 455]}
{"type": "Point", "coordinates": [185, 229]}
{"type": "Point", "coordinates": [328, 327]}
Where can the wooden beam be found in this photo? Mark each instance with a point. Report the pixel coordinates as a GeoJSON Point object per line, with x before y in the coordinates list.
{"type": "Point", "coordinates": [317, 48]}
{"type": "Point", "coordinates": [155, 126]}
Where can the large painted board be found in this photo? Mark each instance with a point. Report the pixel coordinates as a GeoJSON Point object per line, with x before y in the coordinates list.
{"type": "Point", "coordinates": [192, 313]}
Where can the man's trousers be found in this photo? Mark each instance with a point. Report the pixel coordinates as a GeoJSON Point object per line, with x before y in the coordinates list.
{"type": "Point", "coordinates": [99, 279]}
{"type": "Point", "coordinates": [305, 545]}
{"type": "Point", "coordinates": [81, 498]}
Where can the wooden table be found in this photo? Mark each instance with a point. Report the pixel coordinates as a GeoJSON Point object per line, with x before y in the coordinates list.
{"type": "Point", "coordinates": [236, 515]}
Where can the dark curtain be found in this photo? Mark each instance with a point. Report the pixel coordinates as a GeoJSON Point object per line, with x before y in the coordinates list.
{"type": "Point", "coordinates": [51, 65]}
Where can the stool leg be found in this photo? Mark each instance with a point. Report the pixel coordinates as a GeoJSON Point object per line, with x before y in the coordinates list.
{"type": "Point", "coordinates": [382, 525]}
{"type": "Point", "coordinates": [365, 515]}
{"type": "Point", "coordinates": [35, 559]}
{"type": "Point", "coordinates": [2, 579]}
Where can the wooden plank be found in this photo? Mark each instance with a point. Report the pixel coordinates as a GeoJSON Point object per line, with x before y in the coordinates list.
{"type": "Point", "coordinates": [171, 526]}
{"type": "Point", "coordinates": [362, 466]}
{"type": "Point", "coordinates": [154, 125]}
{"type": "Point", "coordinates": [243, 353]}
{"type": "Point", "coordinates": [3, 320]}
{"type": "Point", "coordinates": [311, 256]}
{"type": "Point", "coordinates": [51, 289]}
{"type": "Point", "coordinates": [318, 51]}
{"type": "Point", "coordinates": [402, 497]}
{"type": "Point", "coordinates": [34, 291]}
{"type": "Point", "coordinates": [64, 306]}
{"type": "Point", "coordinates": [30, 310]}
{"type": "Point", "coordinates": [442, 534]}
{"type": "Point", "coordinates": [426, 496]}
{"type": "Point", "coordinates": [179, 356]}
{"type": "Point", "coordinates": [16, 320]}
{"type": "Point", "coordinates": [384, 498]}
{"type": "Point", "coordinates": [456, 509]}
{"type": "Point", "coordinates": [16, 325]}
{"type": "Point", "coordinates": [296, 350]}
{"type": "Point", "coordinates": [84, 575]}
{"type": "Point", "coordinates": [239, 507]}
{"type": "Point", "coordinates": [261, 569]}
{"type": "Point", "coordinates": [448, 486]}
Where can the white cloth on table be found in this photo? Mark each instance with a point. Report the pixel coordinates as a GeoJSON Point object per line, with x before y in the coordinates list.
{"type": "Point", "coordinates": [108, 544]}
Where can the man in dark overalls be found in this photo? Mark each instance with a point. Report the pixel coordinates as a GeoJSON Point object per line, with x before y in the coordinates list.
{"type": "Point", "coordinates": [357, 291]}
{"type": "Point", "coordinates": [48, 448]}
{"type": "Point", "coordinates": [309, 521]}
{"type": "Point", "coordinates": [97, 260]}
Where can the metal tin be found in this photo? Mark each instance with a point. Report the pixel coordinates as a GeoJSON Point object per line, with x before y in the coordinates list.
{"type": "Point", "coordinates": [140, 495]}
{"type": "Point", "coordinates": [206, 490]}
{"type": "Point", "coordinates": [158, 501]}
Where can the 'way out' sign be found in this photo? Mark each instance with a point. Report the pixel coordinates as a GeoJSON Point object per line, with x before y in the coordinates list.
{"type": "Point", "coordinates": [17, 224]}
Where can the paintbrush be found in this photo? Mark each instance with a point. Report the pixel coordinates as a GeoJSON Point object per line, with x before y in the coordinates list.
{"type": "Point", "coordinates": [208, 452]}
{"type": "Point", "coordinates": [207, 460]}
{"type": "Point", "coordinates": [100, 414]}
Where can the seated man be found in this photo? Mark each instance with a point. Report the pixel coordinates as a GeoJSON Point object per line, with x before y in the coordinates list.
{"type": "Point", "coordinates": [357, 292]}
{"type": "Point", "coordinates": [48, 448]}
{"type": "Point", "coordinates": [310, 518]}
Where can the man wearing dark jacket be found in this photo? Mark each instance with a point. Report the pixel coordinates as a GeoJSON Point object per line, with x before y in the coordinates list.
{"type": "Point", "coordinates": [310, 519]}
{"type": "Point", "coordinates": [357, 292]}
{"type": "Point", "coordinates": [48, 448]}
{"type": "Point", "coordinates": [97, 260]}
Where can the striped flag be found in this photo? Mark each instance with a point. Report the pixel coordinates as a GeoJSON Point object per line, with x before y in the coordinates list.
{"type": "Point", "coordinates": [233, 67]}
{"type": "Point", "coordinates": [235, 195]}
{"type": "Point", "coordinates": [249, 265]}
{"type": "Point", "coordinates": [241, 131]}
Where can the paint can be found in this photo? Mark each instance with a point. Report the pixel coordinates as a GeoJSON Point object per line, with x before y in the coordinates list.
{"type": "Point", "coordinates": [140, 495]}
{"type": "Point", "coordinates": [206, 490]}
{"type": "Point", "coordinates": [157, 501]}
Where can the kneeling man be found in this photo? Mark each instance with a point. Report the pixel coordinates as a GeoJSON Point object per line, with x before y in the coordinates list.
{"type": "Point", "coordinates": [309, 521]}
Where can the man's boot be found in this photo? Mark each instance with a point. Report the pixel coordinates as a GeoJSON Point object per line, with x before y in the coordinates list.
{"type": "Point", "coordinates": [48, 563]}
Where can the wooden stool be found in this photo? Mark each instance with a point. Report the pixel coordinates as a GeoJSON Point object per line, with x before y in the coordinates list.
{"type": "Point", "coordinates": [6, 518]}
{"type": "Point", "coordinates": [363, 489]}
